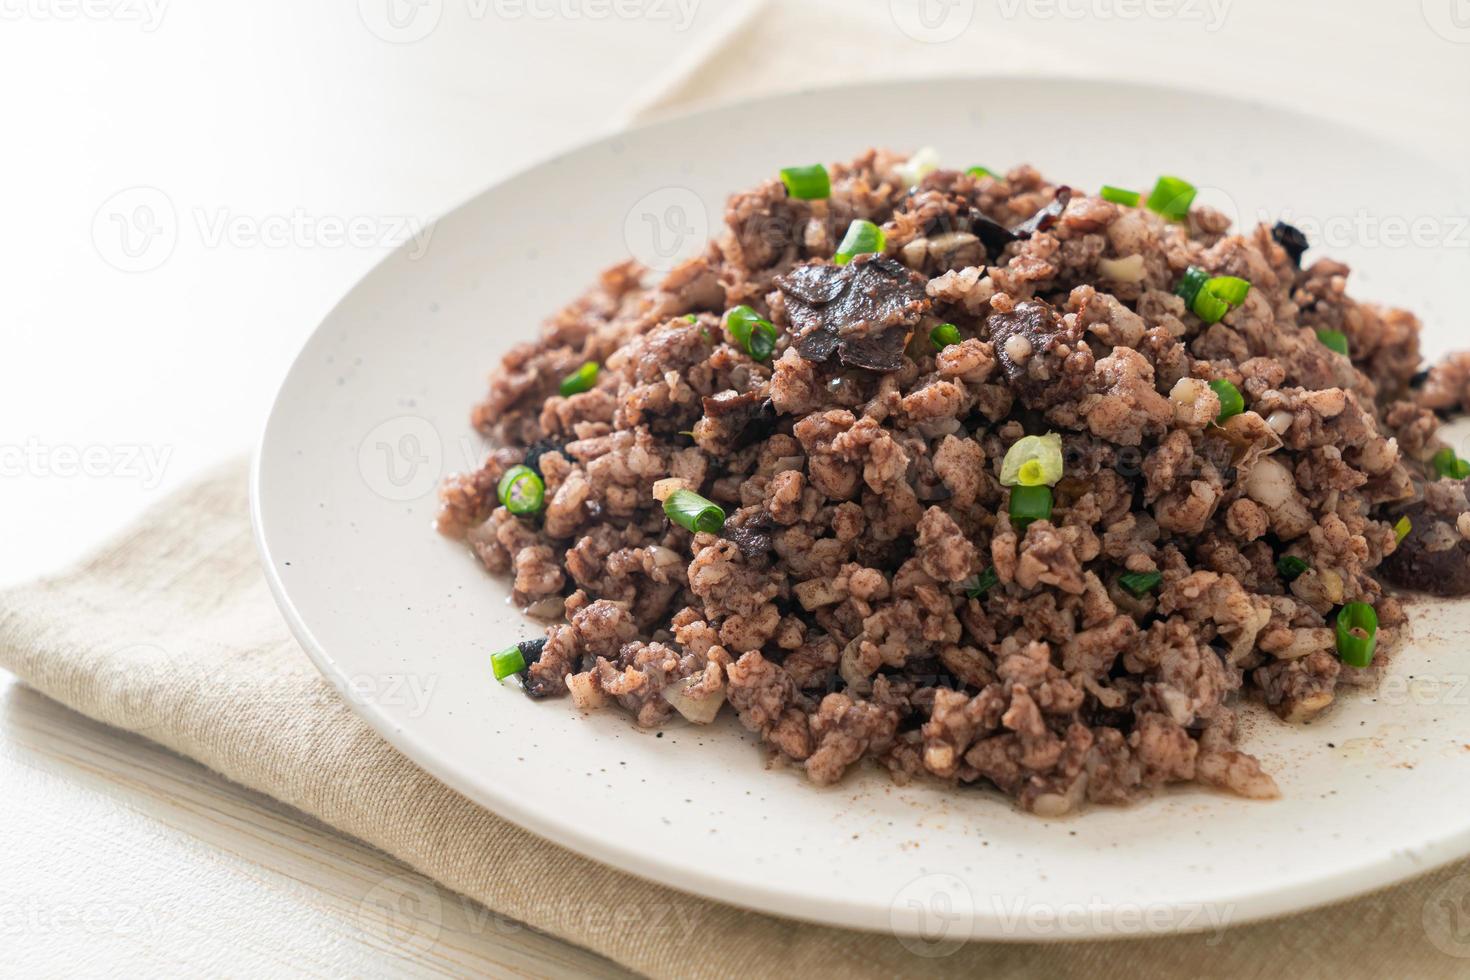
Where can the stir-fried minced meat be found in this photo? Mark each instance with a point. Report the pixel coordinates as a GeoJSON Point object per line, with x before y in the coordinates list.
{"type": "Point", "coordinates": [863, 311]}
{"type": "Point", "coordinates": [1434, 556]}
{"type": "Point", "coordinates": [869, 595]}
{"type": "Point", "coordinates": [1291, 238]}
{"type": "Point", "coordinates": [732, 421]}
{"type": "Point", "coordinates": [1045, 216]}
{"type": "Point", "coordinates": [1030, 342]}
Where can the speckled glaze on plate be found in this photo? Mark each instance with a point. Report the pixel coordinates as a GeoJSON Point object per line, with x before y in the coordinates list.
{"type": "Point", "coordinates": [375, 410]}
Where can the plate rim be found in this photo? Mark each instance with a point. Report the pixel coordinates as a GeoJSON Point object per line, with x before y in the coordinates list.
{"type": "Point", "coordinates": [1252, 905]}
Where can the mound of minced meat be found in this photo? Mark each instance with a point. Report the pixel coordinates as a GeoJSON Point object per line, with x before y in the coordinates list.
{"type": "Point", "coordinates": [1216, 488]}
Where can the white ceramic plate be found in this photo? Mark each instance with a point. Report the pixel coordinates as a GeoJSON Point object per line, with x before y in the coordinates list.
{"type": "Point", "coordinates": [375, 409]}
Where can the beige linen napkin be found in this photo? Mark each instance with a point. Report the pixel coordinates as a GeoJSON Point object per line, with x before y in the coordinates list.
{"type": "Point", "coordinates": [170, 631]}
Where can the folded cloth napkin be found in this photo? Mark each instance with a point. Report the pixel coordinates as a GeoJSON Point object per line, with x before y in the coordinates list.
{"type": "Point", "coordinates": [170, 631]}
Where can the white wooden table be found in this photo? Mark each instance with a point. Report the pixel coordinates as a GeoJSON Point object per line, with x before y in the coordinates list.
{"type": "Point", "coordinates": [233, 142]}
{"type": "Point", "coordinates": [123, 859]}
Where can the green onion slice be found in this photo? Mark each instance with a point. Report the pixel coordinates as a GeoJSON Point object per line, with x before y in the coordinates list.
{"type": "Point", "coordinates": [982, 583]}
{"type": "Point", "coordinates": [1029, 504]}
{"type": "Point", "coordinates": [580, 380]}
{"type": "Point", "coordinates": [691, 318]}
{"type": "Point", "coordinates": [1119, 196]}
{"type": "Point", "coordinates": [506, 662]}
{"type": "Point", "coordinates": [978, 172]}
{"type": "Point", "coordinates": [1334, 340]}
{"type": "Point", "coordinates": [1141, 583]}
{"type": "Point", "coordinates": [757, 337]}
{"type": "Point", "coordinates": [862, 238]}
{"type": "Point", "coordinates": [944, 335]}
{"type": "Point", "coordinates": [1447, 465]}
{"type": "Point", "coordinates": [1171, 197]}
{"type": "Point", "coordinates": [1033, 461]}
{"type": "Point", "coordinates": [1218, 294]}
{"type": "Point", "coordinates": [1209, 308]}
{"type": "Point", "coordinates": [521, 490]}
{"type": "Point", "coordinates": [1232, 289]}
{"type": "Point", "coordinates": [1230, 401]}
{"type": "Point", "coordinates": [1290, 566]}
{"type": "Point", "coordinates": [1357, 634]}
{"type": "Point", "coordinates": [1189, 286]}
{"type": "Point", "coordinates": [694, 513]}
{"type": "Point", "coordinates": [807, 183]}
{"type": "Point", "coordinates": [1401, 529]}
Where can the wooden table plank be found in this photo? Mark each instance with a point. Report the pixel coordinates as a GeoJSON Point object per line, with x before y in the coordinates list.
{"type": "Point", "coordinates": [123, 858]}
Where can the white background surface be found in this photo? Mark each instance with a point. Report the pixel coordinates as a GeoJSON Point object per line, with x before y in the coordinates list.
{"type": "Point", "coordinates": [247, 121]}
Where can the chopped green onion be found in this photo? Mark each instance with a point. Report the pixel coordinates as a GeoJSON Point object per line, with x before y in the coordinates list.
{"type": "Point", "coordinates": [944, 335]}
{"type": "Point", "coordinates": [1209, 307]}
{"type": "Point", "coordinates": [862, 238]}
{"type": "Point", "coordinates": [1119, 196]}
{"type": "Point", "coordinates": [1357, 634]}
{"type": "Point", "coordinates": [978, 172]}
{"type": "Point", "coordinates": [1334, 340]}
{"type": "Point", "coordinates": [1230, 401]}
{"type": "Point", "coordinates": [691, 318]}
{"type": "Point", "coordinates": [580, 380]}
{"type": "Point", "coordinates": [757, 337]}
{"type": "Point", "coordinates": [1290, 566]}
{"type": "Point", "coordinates": [1171, 197]}
{"type": "Point", "coordinates": [1232, 289]}
{"type": "Point", "coordinates": [1401, 529]}
{"type": "Point", "coordinates": [1029, 504]}
{"type": "Point", "coordinates": [1447, 465]}
{"type": "Point", "coordinates": [1141, 583]}
{"type": "Point", "coordinates": [521, 490]}
{"type": "Point", "coordinates": [1194, 280]}
{"type": "Point", "coordinates": [807, 183]}
{"type": "Point", "coordinates": [1218, 294]}
{"type": "Point", "coordinates": [506, 662]}
{"type": "Point", "coordinates": [694, 513]}
{"type": "Point", "coordinates": [982, 583]}
{"type": "Point", "coordinates": [1033, 461]}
